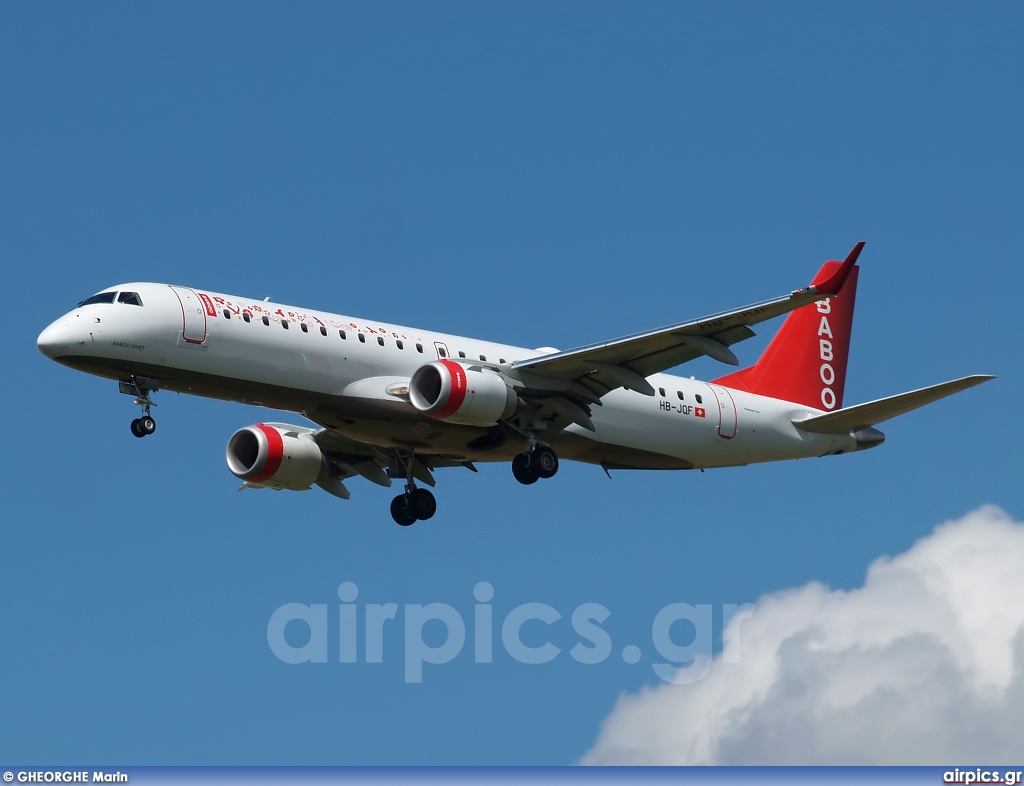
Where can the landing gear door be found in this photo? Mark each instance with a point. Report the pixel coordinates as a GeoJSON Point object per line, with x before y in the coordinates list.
{"type": "Point", "coordinates": [726, 411]}
{"type": "Point", "coordinates": [193, 315]}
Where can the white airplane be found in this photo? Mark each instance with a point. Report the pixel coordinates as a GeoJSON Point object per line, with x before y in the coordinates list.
{"type": "Point", "coordinates": [396, 402]}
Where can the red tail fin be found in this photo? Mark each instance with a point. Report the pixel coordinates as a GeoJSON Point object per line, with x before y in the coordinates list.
{"type": "Point", "coordinates": [806, 361]}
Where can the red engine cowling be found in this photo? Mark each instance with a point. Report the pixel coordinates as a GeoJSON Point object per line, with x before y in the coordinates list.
{"type": "Point", "coordinates": [448, 391]}
{"type": "Point", "coordinates": [277, 457]}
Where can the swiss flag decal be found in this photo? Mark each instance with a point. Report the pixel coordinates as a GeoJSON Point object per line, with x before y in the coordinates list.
{"type": "Point", "coordinates": [698, 411]}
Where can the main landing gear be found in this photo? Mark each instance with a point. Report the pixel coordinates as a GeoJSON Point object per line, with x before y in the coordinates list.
{"type": "Point", "coordinates": [415, 504]}
{"type": "Point", "coordinates": [412, 506]}
{"type": "Point", "coordinates": [144, 426]}
{"type": "Point", "coordinates": [540, 462]}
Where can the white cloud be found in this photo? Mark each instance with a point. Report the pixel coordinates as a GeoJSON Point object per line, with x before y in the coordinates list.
{"type": "Point", "coordinates": [924, 664]}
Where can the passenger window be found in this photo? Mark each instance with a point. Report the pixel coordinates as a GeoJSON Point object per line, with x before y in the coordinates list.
{"type": "Point", "coordinates": [502, 361]}
{"type": "Point", "coordinates": [304, 327]}
{"type": "Point", "coordinates": [342, 334]}
{"type": "Point", "coordinates": [323, 331]}
{"type": "Point", "coordinates": [419, 348]}
{"type": "Point", "coordinates": [130, 298]}
{"type": "Point", "coordinates": [227, 314]}
{"type": "Point", "coordinates": [662, 392]}
{"type": "Point", "coordinates": [483, 358]}
{"type": "Point", "coordinates": [699, 399]}
{"type": "Point", "coordinates": [462, 354]}
{"type": "Point", "coordinates": [284, 323]}
{"type": "Point", "coordinates": [362, 338]}
{"type": "Point", "coordinates": [266, 320]}
{"type": "Point", "coordinates": [245, 316]}
{"type": "Point", "coordinates": [380, 340]}
{"type": "Point", "coordinates": [400, 345]}
{"type": "Point", "coordinates": [680, 394]}
{"type": "Point", "coordinates": [441, 352]}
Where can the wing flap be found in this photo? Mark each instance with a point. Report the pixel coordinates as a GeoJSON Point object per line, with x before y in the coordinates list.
{"type": "Point", "coordinates": [850, 419]}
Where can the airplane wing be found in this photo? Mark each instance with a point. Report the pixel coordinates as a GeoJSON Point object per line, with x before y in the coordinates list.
{"type": "Point", "coordinates": [849, 419]}
{"type": "Point", "coordinates": [351, 458]}
{"type": "Point", "coordinates": [590, 372]}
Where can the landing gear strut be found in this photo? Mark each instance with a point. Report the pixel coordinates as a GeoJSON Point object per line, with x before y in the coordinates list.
{"type": "Point", "coordinates": [415, 504]}
{"type": "Point", "coordinates": [539, 462]}
{"type": "Point", "coordinates": [144, 426]}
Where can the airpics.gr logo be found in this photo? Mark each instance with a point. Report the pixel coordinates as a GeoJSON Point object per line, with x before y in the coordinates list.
{"type": "Point", "coordinates": [979, 775]}
{"type": "Point", "coordinates": [681, 634]}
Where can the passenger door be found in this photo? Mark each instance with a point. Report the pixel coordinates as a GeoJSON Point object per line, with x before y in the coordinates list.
{"type": "Point", "coordinates": [193, 315]}
{"type": "Point", "coordinates": [728, 418]}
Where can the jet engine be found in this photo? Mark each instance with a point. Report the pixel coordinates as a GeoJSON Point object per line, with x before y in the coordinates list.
{"type": "Point", "coordinates": [276, 456]}
{"type": "Point", "coordinates": [448, 391]}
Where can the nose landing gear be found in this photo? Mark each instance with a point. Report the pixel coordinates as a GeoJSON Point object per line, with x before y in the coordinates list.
{"type": "Point", "coordinates": [144, 426]}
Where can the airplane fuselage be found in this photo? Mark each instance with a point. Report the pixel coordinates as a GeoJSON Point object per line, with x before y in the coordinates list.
{"type": "Point", "coordinates": [352, 375]}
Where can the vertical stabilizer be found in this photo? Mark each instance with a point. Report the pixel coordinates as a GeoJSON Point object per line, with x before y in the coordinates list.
{"type": "Point", "coordinates": [806, 360]}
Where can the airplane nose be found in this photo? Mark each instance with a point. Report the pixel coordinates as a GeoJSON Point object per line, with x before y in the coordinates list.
{"type": "Point", "coordinates": [52, 342]}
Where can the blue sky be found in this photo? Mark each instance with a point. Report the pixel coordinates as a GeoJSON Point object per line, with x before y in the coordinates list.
{"type": "Point", "coordinates": [538, 173]}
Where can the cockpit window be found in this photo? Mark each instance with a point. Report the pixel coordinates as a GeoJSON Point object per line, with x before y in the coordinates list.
{"type": "Point", "coordinates": [102, 297]}
{"type": "Point", "coordinates": [131, 298]}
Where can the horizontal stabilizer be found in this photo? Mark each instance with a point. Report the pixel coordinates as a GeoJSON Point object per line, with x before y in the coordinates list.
{"type": "Point", "coordinates": [854, 418]}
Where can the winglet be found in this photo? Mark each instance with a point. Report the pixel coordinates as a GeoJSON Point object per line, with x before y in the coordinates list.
{"type": "Point", "coordinates": [834, 283]}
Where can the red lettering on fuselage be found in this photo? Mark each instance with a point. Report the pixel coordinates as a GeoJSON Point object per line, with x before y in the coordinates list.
{"type": "Point", "coordinates": [279, 314]}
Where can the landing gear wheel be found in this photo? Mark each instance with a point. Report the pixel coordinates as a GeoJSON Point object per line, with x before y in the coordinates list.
{"type": "Point", "coordinates": [401, 512]}
{"type": "Point", "coordinates": [522, 469]}
{"type": "Point", "coordinates": [145, 425]}
{"type": "Point", "coordinates": [414, 504]}
{"type": "Point", "coordinates": [422, 504]}
{"type": "Point", "coordinates": [544, 461]}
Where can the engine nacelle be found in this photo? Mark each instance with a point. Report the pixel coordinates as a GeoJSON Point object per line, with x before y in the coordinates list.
{"type": "Point", "coordinates": [276, 457]}
{"type": "Point", "coordinates": [448, 391]}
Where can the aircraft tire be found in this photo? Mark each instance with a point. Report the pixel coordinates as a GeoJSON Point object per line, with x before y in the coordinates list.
{"type": "Point", "coordinates": [400, 511]}
{"type": "Point", "coordinates": [422, 504]}
{"type": "Point", "coordinates": [544, 461]}
{"type": "Point", "coordinates": [522, 469]}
